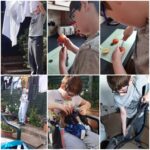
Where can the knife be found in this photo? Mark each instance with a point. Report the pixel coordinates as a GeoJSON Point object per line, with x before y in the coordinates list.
{"type": "Point", "coordinates": [122, 43]}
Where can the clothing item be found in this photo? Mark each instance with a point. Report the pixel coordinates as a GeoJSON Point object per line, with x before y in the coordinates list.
{"type": "Point", "coordinates": [87, 58]}
{"type": "Point", "coordinates": [23, 105]}
{"type": "Point", "coordinates": [23, 111]}
{"type": "Point", "coordinates": [131, 99]}
{"type": "Point", "coordinates": [15, 13]}
{"type": "Point", "coordinates": [33, 87]}
{"type": "Point", "coordinates": [15, 84]}
{"type": "Point", "coordinates": [141, 55]}
{"type": "Point", "coordinates": [91, 141]}
{"type": "Point", "coordinates": [35, 54]}
{"type": "Point", "coordinates": [24, 96]}
{"type": "Point", "coordinates": [36, 25]}
{"type": "Point", "coordinates": [137, 126]}
{"type": "Point", "coordinates": [43, 83]}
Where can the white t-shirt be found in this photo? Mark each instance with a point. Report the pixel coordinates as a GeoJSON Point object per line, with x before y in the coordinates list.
{"type": "Point", "coordinates": [55, 96]}
{"type": "Point", "coordinates": [132, 98]}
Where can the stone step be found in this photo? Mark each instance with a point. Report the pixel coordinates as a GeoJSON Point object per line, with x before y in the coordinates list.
{"type": "Point", "coordinates": [34, 141]}
{"type": "Point", "coordinates": [31, 130]}
{"type": "Point", "coordinates": [14, 63]}
{"type": "Point", "coordinates": [17, 71]}
{"type": "Point", "coordinates": [12, 58]}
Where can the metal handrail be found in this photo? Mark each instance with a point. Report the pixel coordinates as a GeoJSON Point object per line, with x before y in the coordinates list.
{"type": "Point", "coordinates": [13, 126]}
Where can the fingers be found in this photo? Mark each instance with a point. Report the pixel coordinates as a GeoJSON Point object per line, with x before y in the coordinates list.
{"type": "Point", "coordinates": [82, 111]}
{"type": "Point", "coordinates": [124, 38]}
{"type": "Point", "coordinates": [68, 110]}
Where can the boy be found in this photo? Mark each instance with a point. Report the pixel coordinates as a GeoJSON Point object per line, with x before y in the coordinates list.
{"type": "Point", "coordinates": [86, 16]}
{"type": "Point", "coordinates": [133, 14]}
{"type": "Point", "coordinates": [65, 99]}
{"type": "Point", "coordinates": [35, 40]}
{"type": "Point", "coordinates": [127, 94]}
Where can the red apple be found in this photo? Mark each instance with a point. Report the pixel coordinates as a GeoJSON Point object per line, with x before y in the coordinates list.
{"type": "Point", "coordinates": [61, 39]}
{"type": "Point", "coordinates": [115, 41]}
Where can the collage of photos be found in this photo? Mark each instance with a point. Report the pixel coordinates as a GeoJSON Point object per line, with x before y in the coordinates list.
{"type": "Point", "coordinates": [74, 74]}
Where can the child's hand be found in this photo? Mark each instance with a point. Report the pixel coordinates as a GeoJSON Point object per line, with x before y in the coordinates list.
{"type": "Point", "coordinates": [127, 33]}
{"type": "Point", "coordinates": [67, 109]}
{"type": "Point", "coordinates": [146, 97]}
{"type": "Point", "coordinates": [70, 46]}
{"type": "Point", "coordinates": [82, 110]}
{"type": "Point", "coordinates": [117, 55]}
{"type": "Point", "coordinates": [125, 132]}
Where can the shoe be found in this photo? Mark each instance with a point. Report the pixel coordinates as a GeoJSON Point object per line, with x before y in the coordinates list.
{"type": "Point", "coordinates": [22, 124]}
{"type": "Point", "coordinates": [19, 122]}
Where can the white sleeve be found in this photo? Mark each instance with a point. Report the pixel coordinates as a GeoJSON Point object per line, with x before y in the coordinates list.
{"type": "Point", "coordinates": [76, 100]}
{"type": "Point", "coordinates": [51, 97]}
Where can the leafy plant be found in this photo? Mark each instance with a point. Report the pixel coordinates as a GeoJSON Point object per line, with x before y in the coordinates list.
{"type": "Point", "coordinates": [6, 127]}
{"type": "Point", "coordinates": [34, 118]}
{"type": "Point", "coordinates": [13, 108]}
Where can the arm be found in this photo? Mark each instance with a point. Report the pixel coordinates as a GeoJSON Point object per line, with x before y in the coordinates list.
{"type": "Point", "coordinates": [116, 61]}
{"type": "Point", "coordinates": [62, 60]}
{"type": "Point", "coordinates": [84, 106]}
{"type": "Point", "coordinates": [66, 109]}
{"type": "Point", "coordinates": [42, 9]}
{"type": "Point", "coordinates": [127, 32]}
{"type": "Point", "coordinates": [123, 119]}
{"type": "Point", "coordinates": [70, 46]}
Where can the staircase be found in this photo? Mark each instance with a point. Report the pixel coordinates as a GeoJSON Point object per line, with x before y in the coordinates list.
{"type": "Point", "coordinates": [14, 65]}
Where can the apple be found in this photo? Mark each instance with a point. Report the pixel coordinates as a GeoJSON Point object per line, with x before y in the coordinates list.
{"type": "Point", "coordinates": [61, 39]}
{"type": "Point", "coordinates": [115, 41]}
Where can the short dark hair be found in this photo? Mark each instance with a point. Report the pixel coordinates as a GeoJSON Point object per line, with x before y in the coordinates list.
{"type": "Point", "coordinates": [72, 84]}
{"type": "Point", "coordinates": [76, 5]}
{"type": "Point", "coordinates": [117, 82]}
{"type": "Point", "coordinates": [106, 5]}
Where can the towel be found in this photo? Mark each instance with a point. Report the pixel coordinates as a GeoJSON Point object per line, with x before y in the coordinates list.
{"type": "Point", "coordinates": [15, 13]}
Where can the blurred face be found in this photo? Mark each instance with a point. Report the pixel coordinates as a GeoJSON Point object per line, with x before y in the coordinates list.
{"type": "Point", "coordinates": [67, 95]}
{"type": "Point", "coordinates": [37, 11]}
{"type": "Point", "coordinates": [131, 13]}
{"type": "Point", "coordinates": [83, 17]}
{"type": "Point", "coordinates": [123, 90]}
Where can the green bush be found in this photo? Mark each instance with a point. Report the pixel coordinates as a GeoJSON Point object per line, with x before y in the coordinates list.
{"type": "Point", "coordinates": [34, 118]}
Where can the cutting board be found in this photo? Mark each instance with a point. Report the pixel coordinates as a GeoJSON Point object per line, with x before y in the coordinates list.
{"type": "Point", "coordinates": [53, 60]}
{"type": "Point", "coordinates": [117, 34]}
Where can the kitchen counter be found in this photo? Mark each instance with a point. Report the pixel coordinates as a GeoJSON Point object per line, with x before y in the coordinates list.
{"type": "Point", "coordinates": [106, 30]}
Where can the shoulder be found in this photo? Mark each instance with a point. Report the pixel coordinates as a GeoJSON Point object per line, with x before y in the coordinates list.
{"type": "Point", "coordinates": [53, 92]}
{"type": "Point", "coordinates": [91, 44]}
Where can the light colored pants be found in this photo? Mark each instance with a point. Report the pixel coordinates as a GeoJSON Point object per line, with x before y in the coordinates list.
{"type": "Point", "coordinates": [22, 111]}
{"type": "Point", "coordinates": [91, 141]}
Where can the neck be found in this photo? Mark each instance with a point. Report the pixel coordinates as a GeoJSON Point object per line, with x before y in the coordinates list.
{"type": "Point", "coordinates": [94, 28]}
